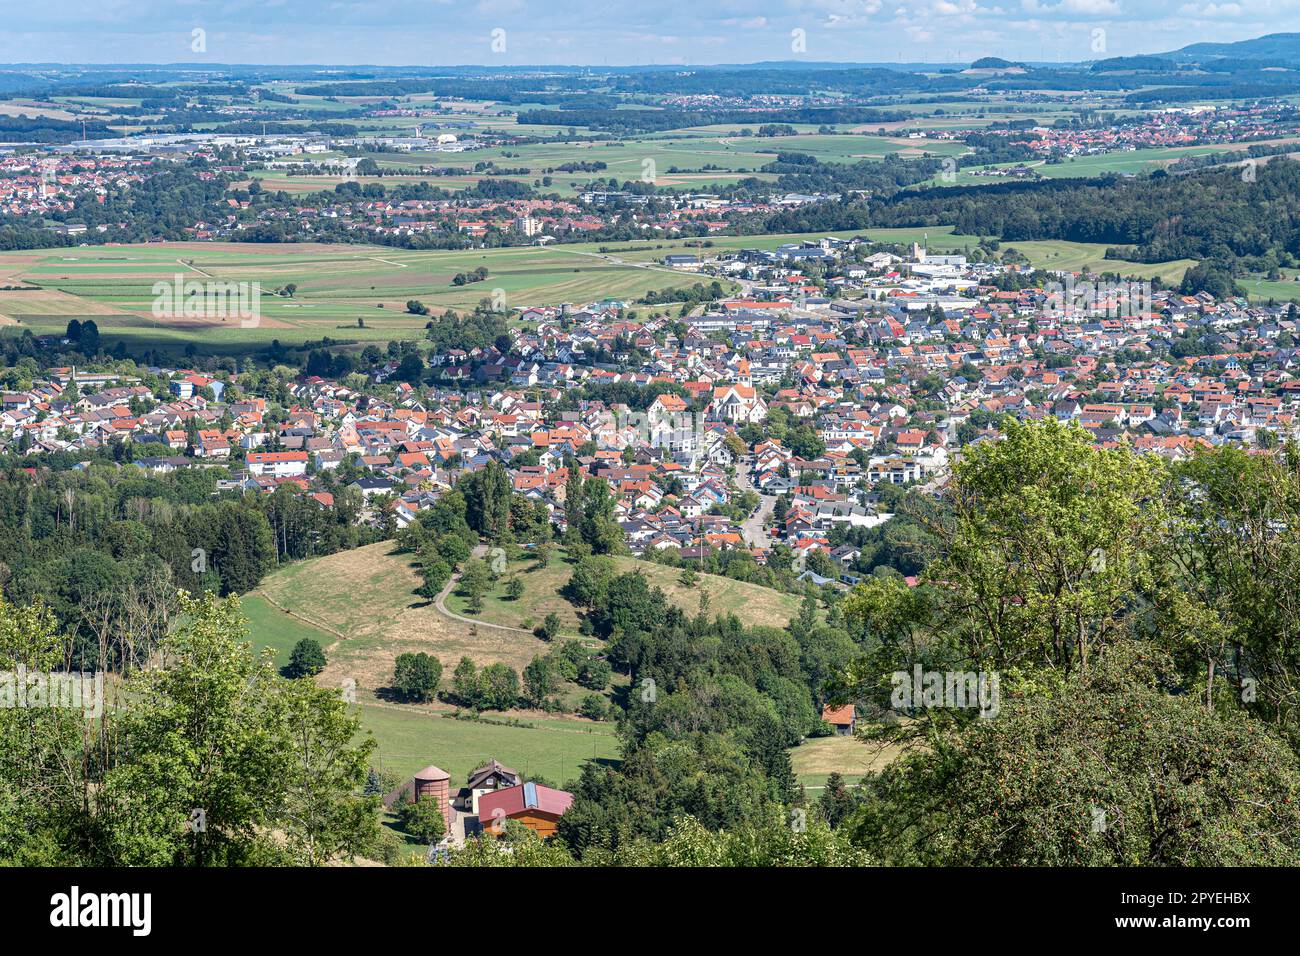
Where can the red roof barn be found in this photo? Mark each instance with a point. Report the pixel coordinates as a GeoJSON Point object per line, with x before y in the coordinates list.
{"type": "Point", "coordinates": [533, 805]}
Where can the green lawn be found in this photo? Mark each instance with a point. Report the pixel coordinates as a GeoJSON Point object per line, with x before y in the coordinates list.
{"type": "Point", "coordinates": [410, 738]}
{"type": "Point", "coordinates": [269, 627]}
{"type": "Point", "coordinates": [1262, 289]}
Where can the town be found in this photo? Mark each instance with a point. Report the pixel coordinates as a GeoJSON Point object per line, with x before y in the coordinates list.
{"type": "Point", "coordinates": [775, 463]}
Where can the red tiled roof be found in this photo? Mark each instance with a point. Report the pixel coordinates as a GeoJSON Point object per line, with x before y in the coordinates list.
{"type": "Point", "coordinates": [839, 716]}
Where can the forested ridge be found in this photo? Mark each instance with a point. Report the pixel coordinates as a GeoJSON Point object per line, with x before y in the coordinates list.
{"type": "Point", "coordinates": [1245, 218]}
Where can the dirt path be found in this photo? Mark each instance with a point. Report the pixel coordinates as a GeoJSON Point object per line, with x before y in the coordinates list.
{"type": "Point", "coordinates": [194, 268]}
{"type": "Point", "coordinates": [447, 588]}
{"type": "Point", "coordinates": [306, 620]}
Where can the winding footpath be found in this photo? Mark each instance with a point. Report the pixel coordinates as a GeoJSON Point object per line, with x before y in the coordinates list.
{"type": "Point", "coordinates": [438, 603]}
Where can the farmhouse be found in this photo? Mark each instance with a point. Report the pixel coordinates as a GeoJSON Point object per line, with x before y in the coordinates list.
{"type": "Point", "coordinates": [490, 778]}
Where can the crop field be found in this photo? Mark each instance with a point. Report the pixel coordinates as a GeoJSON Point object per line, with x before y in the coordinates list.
{"type": "Point", "coordinates": [1133, 162]}
{"type": "Point", "coordinates": [336, 286]}
{"type": "Point", "coordinates": [702, 158]}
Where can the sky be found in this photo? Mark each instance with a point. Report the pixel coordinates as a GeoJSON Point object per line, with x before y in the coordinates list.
{"type": "Point", "coordinates": [619, 32]}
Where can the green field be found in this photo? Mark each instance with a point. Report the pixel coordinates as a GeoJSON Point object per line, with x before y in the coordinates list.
{"type": "Point", "coordinates": [1283, 290]}
{"type": "Point", "coordinates": [1132, 162]}
{"type": "Point", "coordinates": [698, 159]}
{"type": "Point", "coordinates": [410, 738]}
{"type": "Point", "coordinates": [271, 628]}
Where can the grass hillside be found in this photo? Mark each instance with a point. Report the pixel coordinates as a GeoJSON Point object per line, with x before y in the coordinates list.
{"type": "Point", "coordinates": [362, 607]}
{"type": "Point", "coordinates": [752, 603]}
{"type": "Point", "coordinates": [817, 757]}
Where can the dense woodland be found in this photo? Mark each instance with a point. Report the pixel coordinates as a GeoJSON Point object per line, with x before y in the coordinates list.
{"type": "Point", "coordinates": [105, 549]}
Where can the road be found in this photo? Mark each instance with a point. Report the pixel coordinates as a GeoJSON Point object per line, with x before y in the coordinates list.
{"type": "Point", "coordinates": [754, 527]}
{"type": "Point", "coordinates": [746, 285]}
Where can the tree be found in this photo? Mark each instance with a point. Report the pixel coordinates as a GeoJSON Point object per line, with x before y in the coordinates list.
{"type": "Point", "coordinates": [410, 369]}
{"type": "Point", "coordinates": [422, 819]}
{"type": "Point", "coordinates": [306, 659]}
{"type": "Point", "coordinates": [499, 687]}
{"type": "Point", "coordinates": [320, 818]}
{"type": "Point", "coordinates": [1237, 627]}
{"type": "Point", "coordinates": [475, 581]}
{"type": "Point", "coordinates": [550, 627]}
{"type": "Point", "coordinates": [598, 528]}
{"type": "Point", "coordinates": [238, 542]}
{"type": "Point", "coordinates": [1052, 542]}
{"type": "Point", "coordinates": [416, 675]}
{"type": "Point", "coordinates": [488, 495]}
{"type": "Point", "coordinates": [593, 707]}
{"type": "Point", "coordinates": [589, 581]}
{"type": "Point", "coordinates": [218, 739]}
{"type": "Point", "coordinates": [466, 684]}
{"type": "Point", "coordinates": [540, 681]}
{"type": "Point", "coordinates": [629, 603]}
{"type": "Point", "coordinates": [434, 577]}
{"type": "Point", "coordinates": [515, 589]}
{"type": "Point", "coordinates": [1111, 771]}
{"type": "Point", "coordinates": [594, 674]}
{"type": "Point", "coordinates": [836, 803]}
{"type": "Point", "coordinates": [41, 801]}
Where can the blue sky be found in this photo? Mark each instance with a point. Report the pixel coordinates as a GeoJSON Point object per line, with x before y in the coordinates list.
{"type": "Point", "coordinates": [613, 32]}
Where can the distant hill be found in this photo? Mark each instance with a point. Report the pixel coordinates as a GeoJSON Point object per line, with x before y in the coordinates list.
{"type": "Point", "coordinates": [1135, 64]}
{"type": "Point", "coordinates": [1276, 47]}
{"type": "Point", "coordinates": [994, 66]}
